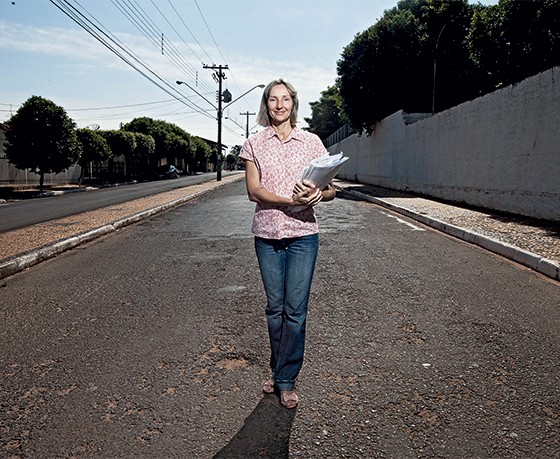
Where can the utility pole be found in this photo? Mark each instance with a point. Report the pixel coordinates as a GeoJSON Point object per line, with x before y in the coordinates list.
{"type": "Point", "coordinates": [226, 97]}
{"type": "Point", "coordinates": [247, 129]}
{"type": "Point", "coordinates": [219, 75]}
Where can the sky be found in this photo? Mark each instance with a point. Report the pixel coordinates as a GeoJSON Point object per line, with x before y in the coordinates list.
{"type": "Point", "coordinates": [44, 52]}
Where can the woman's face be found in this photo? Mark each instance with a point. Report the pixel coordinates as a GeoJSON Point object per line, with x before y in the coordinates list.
{"type": "Point", "coordinates": [280, 104]}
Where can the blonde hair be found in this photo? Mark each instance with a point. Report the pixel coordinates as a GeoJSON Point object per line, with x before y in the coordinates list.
{"type": "Point", "coordinates": [263, 118]}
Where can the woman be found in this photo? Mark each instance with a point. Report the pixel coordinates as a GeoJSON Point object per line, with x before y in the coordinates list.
{"type": "Point", "coordinates": [286, 237]}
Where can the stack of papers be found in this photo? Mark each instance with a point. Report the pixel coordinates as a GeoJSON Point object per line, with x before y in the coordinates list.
{"type": "Point", "coordinates": [322, 170]}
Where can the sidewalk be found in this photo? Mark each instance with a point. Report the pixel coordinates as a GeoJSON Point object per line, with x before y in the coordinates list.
{"type": "Point", "coordinates": [532, 243]}
{"type": "Point", "coordinates": [22, 248]}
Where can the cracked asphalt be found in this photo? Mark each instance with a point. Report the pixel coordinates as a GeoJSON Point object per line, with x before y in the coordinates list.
{"type": "Point", "coordinates": [150, 342]}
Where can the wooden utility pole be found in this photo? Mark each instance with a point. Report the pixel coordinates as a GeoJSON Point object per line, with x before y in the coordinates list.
{"type": "Point", "coordinates": [247, 114]}
{"type": "Point", "coordinates": [219, 75]}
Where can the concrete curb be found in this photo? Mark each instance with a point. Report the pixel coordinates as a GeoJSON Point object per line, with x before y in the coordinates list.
{"type": "Point", "coordinates": [542, 265]}
{"type": "Point", "coordinates": [46, 194]}
{"type": "Point", "coordinates": [27, 260]}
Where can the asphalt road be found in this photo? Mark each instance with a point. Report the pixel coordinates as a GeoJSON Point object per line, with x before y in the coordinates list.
{"type": "Point", "coordinates": [151, 343]}
{"type": "Point", "coordinates": [21, 213]}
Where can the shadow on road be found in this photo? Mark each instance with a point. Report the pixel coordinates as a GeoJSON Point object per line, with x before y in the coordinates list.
{"type": "Point", "coordinates": [265, 433]}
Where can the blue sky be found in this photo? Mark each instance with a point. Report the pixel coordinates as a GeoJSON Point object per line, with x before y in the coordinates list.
{"type": "Point", "coordinates": [43, 52]}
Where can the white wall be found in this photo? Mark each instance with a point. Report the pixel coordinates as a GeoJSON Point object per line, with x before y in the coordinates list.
{"type": "Point", "coordinates": [10, 175]}
{"type": "Point", "coordinates": [500, 151]}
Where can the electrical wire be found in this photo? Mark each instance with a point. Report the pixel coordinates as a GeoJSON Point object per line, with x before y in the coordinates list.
{"type": "Point", "coordinates": [146, 26]}
{"type": "Point", "coordinates": [120, 50]}
{"type": "Point", "coordinates": [189, 30]}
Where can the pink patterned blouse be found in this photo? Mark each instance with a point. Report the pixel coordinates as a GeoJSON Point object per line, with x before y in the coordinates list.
{"type": "Point", "coordinates": [280, 165]}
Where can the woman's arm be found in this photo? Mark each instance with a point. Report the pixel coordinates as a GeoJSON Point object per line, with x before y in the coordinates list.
{"type": "Point", "coordinates": [329, 193]}
{"type": "Point", "coordinates": [256, 193]}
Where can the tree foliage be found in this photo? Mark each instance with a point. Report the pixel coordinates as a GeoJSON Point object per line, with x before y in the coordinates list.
{"type": "Point", "coordinates": [380, 71]}
{"type": "Point", "coordinates": [145, 146]}
{"type": "Point", "coordinates": [94, 148]}
{"type": "Point", "coordinates": [513, 40]}
{"type": "Point", "coordinates": [201, 153]}
{"type": "Point", "coordinates": [326, 113]}
{"type": "Point", "coordinates": [170, 140]}
{"type": "Point", "coordinates": [232, 159]}
{"type": "Point", "coordinates": [41, 138]}
{"type": "Point", "coordinates": [120, 142]}
{"type": "Point", "coordinates": [429, 55]}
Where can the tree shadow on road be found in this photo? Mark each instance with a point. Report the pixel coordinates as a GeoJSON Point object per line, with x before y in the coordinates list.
{"type": "Point", "coordinates": [265, 433]}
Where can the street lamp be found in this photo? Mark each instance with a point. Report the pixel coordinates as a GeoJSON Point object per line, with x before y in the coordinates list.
{"type": "Point", "coordinates": [435, 64]}
{"type": "Point", "coordinates": [220, 111]}
{"type": "Point", "coordinates": [191, 88]}
{"type": "Point", "coordinates": [232, 120]}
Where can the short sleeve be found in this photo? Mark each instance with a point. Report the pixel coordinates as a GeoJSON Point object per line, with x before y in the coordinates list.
{"type": "Point", "coordinates": [247, 151]}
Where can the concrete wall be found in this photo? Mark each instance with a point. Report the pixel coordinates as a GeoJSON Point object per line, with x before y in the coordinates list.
{"type": "Point", "coordinates": [500, 151]}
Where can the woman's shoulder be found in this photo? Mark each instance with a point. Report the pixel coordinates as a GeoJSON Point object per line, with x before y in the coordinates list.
{"type": "Point", "coordinates": [312, 142]}
{"type": "Point", "coordinates": [306, 135]}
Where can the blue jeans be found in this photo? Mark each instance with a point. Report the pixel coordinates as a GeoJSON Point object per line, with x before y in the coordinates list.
{"type": "Point", "coordinates": [287, 267]}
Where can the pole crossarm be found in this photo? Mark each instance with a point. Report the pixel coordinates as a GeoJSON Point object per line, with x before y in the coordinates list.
{"type": "Point", "coordinates": [247, 114]}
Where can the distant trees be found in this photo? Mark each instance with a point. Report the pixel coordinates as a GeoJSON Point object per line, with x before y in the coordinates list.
{"type": "Point", "coordinates": [41, 138]}
{"type": "Point", "coordinates": [172, 142]}
{"type": "Point", "coordinates": [201, 153]}
{"type": "Point", "coordinates": [232, 159]}
{"type": "Point", "coordinates": [94, 148]}
{"type": "Point", "coordinates": [326, 113]}
{"type": "Point", "coordinates": [429, 55]}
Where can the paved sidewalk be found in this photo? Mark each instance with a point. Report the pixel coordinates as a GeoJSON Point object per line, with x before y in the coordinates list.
{"type": "Point", "coordinates": [532, 243]}
{"type": "Point", "coordinates": [25, 247]}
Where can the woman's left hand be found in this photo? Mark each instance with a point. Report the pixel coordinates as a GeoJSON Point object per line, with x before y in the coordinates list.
{"type": "Point", "coordinates": [305, 193]}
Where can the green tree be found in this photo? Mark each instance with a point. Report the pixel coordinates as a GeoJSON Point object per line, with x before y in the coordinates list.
{"type": "Point", "coordinates": [453, 77]}
{"type": "Point", "coordinates": [171, 142]}
{"type": "Point", "coordinates": [120, 142]}
{"type": "Point", "coordinates": [514, 39]}
{"type": "Point", "coordinates": [94, 148]}
{"type": "Point", "coordinates": [425, 55]}
{"type": "Point", "coordinates": [232, 159]}
{"type": "Point", "coordinates": [326, 113]}
{"type": "Point", "coordinates": [41, 138]}
{"type": "Point", "coordinates": [382, 70]}
{"type": "Point", "coordinates": [138, 165]}
{"type": "Point", "coordinates": [201, 154]}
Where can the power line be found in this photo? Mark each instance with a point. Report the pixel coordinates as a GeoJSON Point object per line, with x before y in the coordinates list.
{"type": "Point", "coordinates": [209, 31]}
{"type": "Point", "coordinates": [147, 27]}
{"type": "Point", "coordinates": [125, 54]}
{"type": "Point", "coordinates": [189, 30]}
{"type": "Point", "coordinates": [123, 106]}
